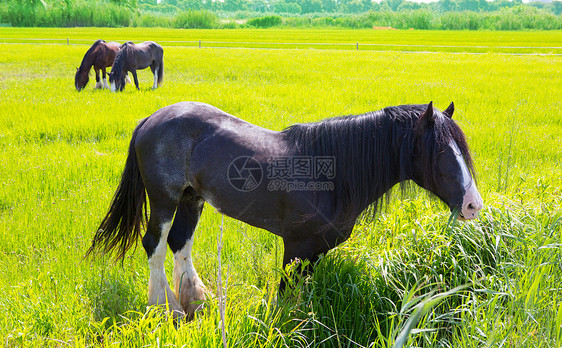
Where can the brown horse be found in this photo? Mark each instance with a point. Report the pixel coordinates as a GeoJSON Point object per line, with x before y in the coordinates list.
{"type": "Point", "coordinates": [101, 55]}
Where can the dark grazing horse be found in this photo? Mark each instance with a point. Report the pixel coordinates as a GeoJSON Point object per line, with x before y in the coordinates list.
{"type": "Point", "coordinates": [101, 55]}
{"type": "Point", "coordinates": [307, 184]}
{"type": "Point", "coordinates": [133, 57]}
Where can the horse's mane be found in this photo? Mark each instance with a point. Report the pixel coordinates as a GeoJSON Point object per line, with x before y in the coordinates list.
{"type": "Point", "coordinates": [89, 52]}
{"type": "Point", "coordinates": [372, 152]}
{"type": "Point", "coordinates": [121, 58]}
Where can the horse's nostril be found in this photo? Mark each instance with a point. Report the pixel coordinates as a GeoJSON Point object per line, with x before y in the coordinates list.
{"type": "Point", "coordinates": [470, 206]}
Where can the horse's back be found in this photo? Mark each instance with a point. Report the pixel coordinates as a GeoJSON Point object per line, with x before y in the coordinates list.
{"type": "Point", "coordinates": [145, 53]}
{"type": "Point", "coordinates": [114, 46]}
{"type": "Point", "coordinates": [151, 46]}
{"type": "Point", "coordinates": [197, 121]}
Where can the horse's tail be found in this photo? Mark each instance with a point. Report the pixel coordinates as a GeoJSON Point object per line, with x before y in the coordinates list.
{"type": "Point", "coordinates": [121, 227]}
{"type": "Point", "coordinates": [161, 72]}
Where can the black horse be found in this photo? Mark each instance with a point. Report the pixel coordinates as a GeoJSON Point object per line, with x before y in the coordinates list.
{"type": "Point", "coordinates": [307, 184]}
{"type": "Point", "coordinates": [133, 57]}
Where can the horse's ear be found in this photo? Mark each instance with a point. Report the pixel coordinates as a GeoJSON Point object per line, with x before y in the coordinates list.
{"type": "Point", "coordinates": [427, 118]}
{"type": "Point", "coordinates": [449, 111]}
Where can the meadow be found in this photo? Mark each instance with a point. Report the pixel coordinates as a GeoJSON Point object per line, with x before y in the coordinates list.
{"type": "Point", "coordinates": [406, 277]}
{"type": "Point", "coordinates": [522, 42]}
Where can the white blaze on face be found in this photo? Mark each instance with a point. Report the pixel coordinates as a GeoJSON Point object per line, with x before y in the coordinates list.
{"type": "Point", "coordinates": [113, 86]}
{"type": "Point", "coordinates": [472, 201]}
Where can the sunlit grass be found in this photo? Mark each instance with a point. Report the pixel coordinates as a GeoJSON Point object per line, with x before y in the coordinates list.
{"type": "Point", "coordinates": [530, 42]}
{"type": "Point", "coordinates": [63, 152]}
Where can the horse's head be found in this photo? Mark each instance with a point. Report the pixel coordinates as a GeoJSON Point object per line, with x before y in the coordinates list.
{"type": "Point", "coordinates": [81, 79]}
{"type": "Point", "coordinates": [116, 81]}
{"type": "Point", "coordinates": [118, 72]}
{"type": "Point", "coordinates": [442, 162]}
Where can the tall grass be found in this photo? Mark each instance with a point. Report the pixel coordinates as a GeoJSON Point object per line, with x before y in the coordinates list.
{"type": "Point", "coordinates": [265, 22]}
{"type": "Point", "coordinates": [105, 13]}
{"type": "Point", "coordinates": [195, 19]}
{"type": "Point", "coordinates": [152, 20]}
{"type": "Point", "coordinates": [94, 13]}
{"type": "Point", "coordinates": [515, 18]}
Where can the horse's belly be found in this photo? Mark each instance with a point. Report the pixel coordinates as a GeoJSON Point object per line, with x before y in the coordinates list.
{"type": "Point", "coordinates": [253, 212]}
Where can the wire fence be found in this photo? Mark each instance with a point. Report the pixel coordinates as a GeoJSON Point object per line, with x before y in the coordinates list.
{"type": "Point", "coordinates": [369, 46]}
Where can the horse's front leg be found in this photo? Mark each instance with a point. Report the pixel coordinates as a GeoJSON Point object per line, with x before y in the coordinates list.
{"type": "Point", "coordinates": [134, 73]}
{"type": "Point", "coordinates": [98, 80]}
{"type": "Point", "coordinates": [303, 254]}
{"type": "Point", "coordinates": [104, 74]}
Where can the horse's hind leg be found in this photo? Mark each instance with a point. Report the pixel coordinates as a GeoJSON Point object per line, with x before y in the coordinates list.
{"type": "Point", "coordinates": [154, 69]}
{"type": "Point", "coordinates": [154, 242]}
{"type": "Point", "coordinates": [188, 286]}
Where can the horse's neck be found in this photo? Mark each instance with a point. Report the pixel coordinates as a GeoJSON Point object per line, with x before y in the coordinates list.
{"type": "Point", "coordinates": [383, 161]}
{"type": "Point", "coordinates": [87, 62]}
{"type": "Point", "coordinates": [383, 138]}
{"type": "Point", "coordinates": [368, 156]}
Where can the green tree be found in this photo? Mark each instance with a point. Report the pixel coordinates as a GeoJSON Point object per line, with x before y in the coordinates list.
{"type": "Point", "coordinates": [392, 4]}
{"type": "Point", "coordinates": [259, 6]}
{"type": "Point", "coordinates": [409, 5]}
{"type": "Point", "coordinates": [329, 5]}
{"type": "Point", "coordinates": [342, 5]}
{"type": "Point", "coordinates": [469, 5]}
{"type": "Point", "coordinates": [355, 6]}
{"type": "Point", "coordinates": [557, 7]}
{"type": "Point", "coordinates": [131, 4]}
{"type": "Point", "coordinates": [447, 5]}
{"type": "Point", "coordinates": [369, 5]}
{"type": "Point", "coordinates": [235, 5]}
{"type": "Point", "coordinates": [287, 7]}
{"type": "Point", "coordinates": [311, 6]}
{"type": "Point", "coordinates": [483, 5]}
{"type": "Point", "coordinates": [191, 5]}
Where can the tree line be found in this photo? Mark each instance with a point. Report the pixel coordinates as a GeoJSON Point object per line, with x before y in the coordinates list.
{"type": "Point", "coordinates": [339, 6]}
{"type": "Point", "coordinates": [400, 14]}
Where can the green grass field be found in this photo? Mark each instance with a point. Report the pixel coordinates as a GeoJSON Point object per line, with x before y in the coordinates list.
{"type": "Point", "coordinates": [62, 153]}
{"type": "Point", "coordinates": [546, 42]}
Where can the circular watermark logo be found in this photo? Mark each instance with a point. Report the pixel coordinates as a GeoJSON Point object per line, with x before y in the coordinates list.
{"type": "Point", "coordinates": [245, 174]}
